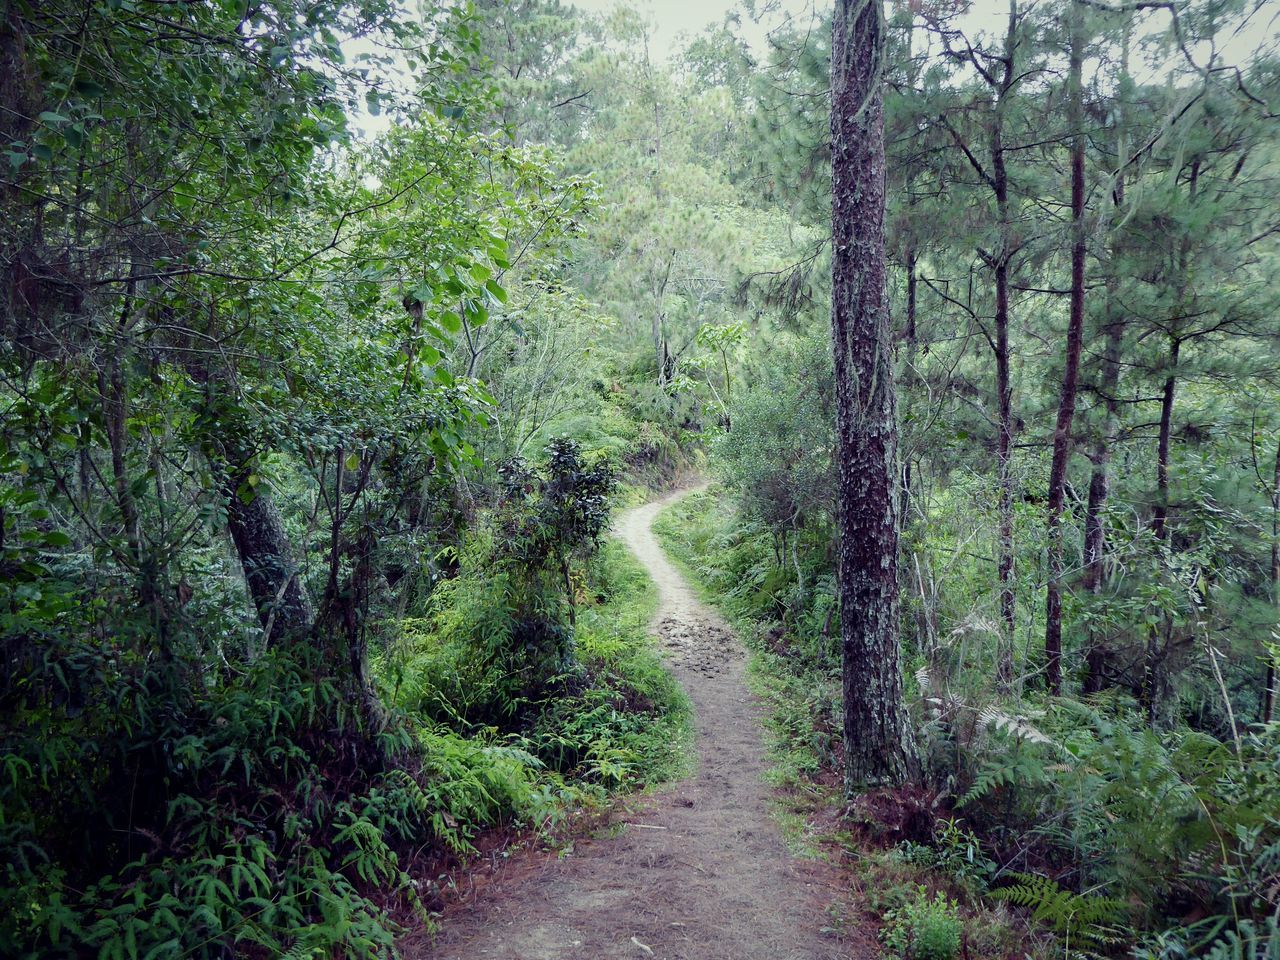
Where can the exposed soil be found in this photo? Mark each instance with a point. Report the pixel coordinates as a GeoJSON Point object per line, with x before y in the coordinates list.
{"type": "Point", "coordinates": [698, 871]}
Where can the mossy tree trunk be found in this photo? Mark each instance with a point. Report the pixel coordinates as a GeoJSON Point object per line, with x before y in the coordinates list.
{"type": "Point", "coordinates": [879, 746]}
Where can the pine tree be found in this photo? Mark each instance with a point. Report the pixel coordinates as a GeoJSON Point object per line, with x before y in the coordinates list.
{"type": "Point", "coordinates": [879, 746]}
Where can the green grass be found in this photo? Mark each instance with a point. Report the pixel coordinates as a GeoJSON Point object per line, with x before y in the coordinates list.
{"type": "Point", "coordinates": [622, 657]}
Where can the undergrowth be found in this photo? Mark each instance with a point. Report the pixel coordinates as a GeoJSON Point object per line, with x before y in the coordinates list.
{"type": "Point", "coordinates": [1055, 824]}
{"type": "Point", "coordinates": [260, 814]}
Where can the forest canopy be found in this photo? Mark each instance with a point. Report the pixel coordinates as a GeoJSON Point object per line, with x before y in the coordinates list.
{"type": "Point", "coordinates": [334, 332]}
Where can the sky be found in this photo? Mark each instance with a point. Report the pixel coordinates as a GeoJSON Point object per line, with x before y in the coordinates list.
{"type": "Point", "coordinates": [673, 18]}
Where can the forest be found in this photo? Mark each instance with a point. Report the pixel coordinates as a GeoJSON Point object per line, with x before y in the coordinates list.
{"type": "Point", "coordinates": [738, 481]}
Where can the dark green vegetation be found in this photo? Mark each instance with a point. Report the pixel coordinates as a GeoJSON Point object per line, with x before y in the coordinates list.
{"type": "Point", "coordinates": [308, 441]}
{"type": "Point", "coordinates": [1081, 226]}
{"type": "Point", "coordinates": [1104, 829]}
{"type": "Point", "coordinates": [285, 619]}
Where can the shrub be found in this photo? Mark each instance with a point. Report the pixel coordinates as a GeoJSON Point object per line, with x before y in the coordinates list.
{"type": "Point", "coordinates": [924, 928]}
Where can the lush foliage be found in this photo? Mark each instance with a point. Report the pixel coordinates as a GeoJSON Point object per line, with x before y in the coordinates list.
{"type": "Point", "coordinates": [331, 331]}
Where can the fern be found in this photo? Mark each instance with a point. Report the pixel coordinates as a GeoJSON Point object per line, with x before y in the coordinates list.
{"type": "Point", "coordinates": [1018, 768]}
{"type": "Point", "coordinates": [1080, 918]}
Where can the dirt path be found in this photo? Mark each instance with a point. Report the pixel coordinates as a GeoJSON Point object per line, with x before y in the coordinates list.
{"type": "Point", "coordinates": [701, 871]}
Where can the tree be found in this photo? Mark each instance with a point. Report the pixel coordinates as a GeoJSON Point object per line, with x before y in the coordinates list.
{"type": "Point", "coordinates": [879, 746]}
{"type": "Point", "coordinates": [1001, 72]}
{"type": "Point", "coordinates": [1062, 437]}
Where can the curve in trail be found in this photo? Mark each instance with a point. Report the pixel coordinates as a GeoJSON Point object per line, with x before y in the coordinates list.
{"type": "Point", "coordinates": [700, 872]}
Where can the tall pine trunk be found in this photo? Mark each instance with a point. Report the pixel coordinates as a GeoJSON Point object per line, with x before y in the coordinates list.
{"type": "Point", "coordinates": [1155, 679]}
{"type": "Point", "coordinates": [1004, 385]}
{"type": "Point", "coordinates": [1269, 681]}
{"type": "Point", "coordinates": [1095, 531]}
{"type": "Point", "coordinates": [879, 747]}
{"type": "Point", "coordinates": [1071, 371]}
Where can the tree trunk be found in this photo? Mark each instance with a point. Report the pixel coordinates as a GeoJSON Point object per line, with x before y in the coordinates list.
{"type": "Point", "coordinates": [1004, 403]}
{"type": "Point", "coordinates": [909, 336]}
{"type": "Point", "coordinates": [879, 746]}
{"type": "Point", "coordinates": [1154, 682]}
{"type": "Point", "coordinates": [1160, 512]}
{"type": "Point", "coordinates": [1095, 533]}
{"type": "Point", "coordinates": [1269, 682]}
{"type": "Point", "coordinates": [1071, 371]}
{"type": "Point", "coordinates": [282, 602]}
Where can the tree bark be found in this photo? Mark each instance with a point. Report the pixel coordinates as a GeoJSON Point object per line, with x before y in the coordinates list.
{"type": "Point", "coordinates": [1154, 682]}
{"type": "Point", "coordinates": [1095, 534]}
{"type": "Point", "coordinates": [1269, 682]}
{"type": "Point", "coordinates": [1160, 511]}
{"type": "Point", "coordinates": [278, 594]}
{"type": "Point", "coordinates": [1004, 387]}
{"type": "Point", "coordinates": [1071, 372]}
{"type": "Point", "coordinates": [879, 746]}
{"type": "Point", "coordinates": [909, 337]}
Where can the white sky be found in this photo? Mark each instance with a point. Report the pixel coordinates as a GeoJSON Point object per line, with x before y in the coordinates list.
{"type": "Point", "coordinates": [674, 20]}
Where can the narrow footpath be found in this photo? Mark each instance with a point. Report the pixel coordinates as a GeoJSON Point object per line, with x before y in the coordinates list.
{"type": "Point", "coordinates": [700, 870]}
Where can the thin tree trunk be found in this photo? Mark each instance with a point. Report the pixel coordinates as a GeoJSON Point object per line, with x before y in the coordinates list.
{"type": "Point", "coordinates": [1269, 683]}
{"type": "Point", "coordinates": [909, 335]}
{"type": "Point", "coordinates": [1004, 384]}
{"type": "Point", "coordinates": [1071, 371]}
{"type": "Point", "coordinates": [114, 389]}
{"type": "Point", "coordinates": [1004, 447]}
{"type": "Point", "coordinates": [1095, 534]}
{"type": "Point", "coordinates": [1160, 511]}
{"type": "Point", "coordinates": [1154, 682]}
{"type": "Point", "coordinates": [879, 746]}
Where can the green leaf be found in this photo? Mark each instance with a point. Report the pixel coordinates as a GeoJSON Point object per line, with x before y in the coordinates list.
{"type": "Point", "coordinates": [89, 89]}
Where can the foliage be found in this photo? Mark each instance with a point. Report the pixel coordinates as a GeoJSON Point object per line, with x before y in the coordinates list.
{"type": "Point", "coordinates": [924, 928]}
{"type": "Point", "coordinates": [1176, 821]}
{"type": "Point", "coordinates": [1082, 920]}
{"type": "Point", "coordinates": [256, 812]}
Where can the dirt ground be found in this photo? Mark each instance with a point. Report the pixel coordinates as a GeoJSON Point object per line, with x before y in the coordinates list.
{"type": "Point", "coordinates": [699, 871]}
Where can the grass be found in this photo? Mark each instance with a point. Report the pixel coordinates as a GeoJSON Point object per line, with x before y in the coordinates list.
{"type": "Point", "coordinates": [615, 644]}
{"type": "Point", "coordinates": [616, 722]}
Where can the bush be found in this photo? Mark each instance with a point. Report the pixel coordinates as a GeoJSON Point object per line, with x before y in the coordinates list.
{"type": "Point", "coordinates": [924, 928]}
{"type": "Point", "coordinates": [255, 815]}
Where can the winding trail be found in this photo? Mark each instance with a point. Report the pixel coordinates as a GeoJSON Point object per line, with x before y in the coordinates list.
{"type": "Point", "coordinates": [700, 870]}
